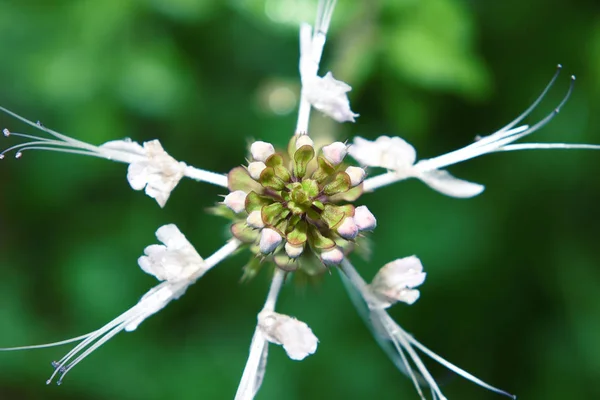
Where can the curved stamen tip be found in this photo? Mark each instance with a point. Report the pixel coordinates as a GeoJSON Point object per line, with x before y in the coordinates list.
{"type": "Point", "coordinates": [18, 155]}
{"type": "Point", "coordinates": [49, 381]}
{"type": "Point", "coordinates": [559, 66]}
{"type": "Point", "coordinates": [1, 156]}
{"type": "Point", "coordinates": [6, 132]}
{"type": "Point", "coordinates": [573, 77]}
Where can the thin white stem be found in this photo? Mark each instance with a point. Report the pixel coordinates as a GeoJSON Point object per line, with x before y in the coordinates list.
{"type": "Point", "coordinates": [274, 290]}
{"type": "Point", "coordinates": [370, 184]}
{"type": "Point", "coordinates": [228, 249]}
{"type": "Point", "coordinates": [257, 359]}
{"type": "Point", "coordinates": [205, 176]}
{"type": "Point", "coordinates": [543, 146]}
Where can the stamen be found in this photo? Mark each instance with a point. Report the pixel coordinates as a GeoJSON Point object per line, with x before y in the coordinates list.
{"type": "Point", "coordinates": [6, 132]}
{"type": "Point", "coordinates": [535, 103]}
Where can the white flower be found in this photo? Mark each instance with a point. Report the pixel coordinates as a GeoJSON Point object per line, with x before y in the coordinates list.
{"type": "Point", "coordinates": [255, 220]}
{"type": "Point", "coordinates": [332, 256]}
{"type": "Point", "coordinates": [150, 166]}
{"type": "Point", "coordinates": [348, 228]}
{"type": "Point", "coordinates": [157, 172]}
{"type": "Point", "coordinates": [295, 336]}
{"type": "Point", "coordinates": [304, 140]}
{"type": "Point", "coordinates": [269, 240]}
{"type": "Point", "coordinates": [293, 251]}
{"type": "Point", "coordinates": [392, 153]}
{"type": "Point", "coordinates": [261, 150]}
{"type": "Point", "coordinates": [396, 155]}
{"type": "Point", "coordinates": [236, 201]}
{"type": "Point", "coordinates": [364, 219]}
{"type": "Point", "coordinates": [175, 260]}
{"type": "Point", "coordinates": [356, 174]}
{"type": "Point", "coordinates": [335, 152]}
{"type": "Point", "coordinates": [255, 168]}
{"type": "Point", "coordinates": [328, 95]}
{"type": "Point", "coordinates": [396, 281]}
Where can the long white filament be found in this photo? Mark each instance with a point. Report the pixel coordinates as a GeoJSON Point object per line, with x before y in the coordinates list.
{"type": "Point", "coordinates": [312, 42]}
{"type": "Point", "coordinates": [65, 144]}
{"type": "Point", "coordinates": [166, 291]}
{"type": "Point", "coordinates": [402, 340]}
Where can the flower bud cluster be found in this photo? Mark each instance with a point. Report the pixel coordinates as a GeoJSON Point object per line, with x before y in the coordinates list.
{"type": "Point", "coordinates": [292, 207]}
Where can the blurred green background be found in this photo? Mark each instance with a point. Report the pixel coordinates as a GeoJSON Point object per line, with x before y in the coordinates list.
{"type": "Point", "coordinates": [512, 293]}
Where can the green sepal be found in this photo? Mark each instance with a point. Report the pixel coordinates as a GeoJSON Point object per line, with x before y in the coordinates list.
{"type": "Point", "coordinates": [340, 184]}
{"type": "Point", "coordinates": [335, 215]}
{"type": "Point", "coordinates": [275, 161]}
{"type": "Point", "coordinates": [255, 202]}
{"type": "Point", "coordinates": [310, 187]}
{"type": "Point", "coordinates": [222, 210]}
{"type": "Point", "coordinates": [244, 233]}
{"type": "Point", "coordinates": [273, 214]}
{"type": "Point", "coordinates": [239, 179]}
{"type": "Point", "coordinates": [285, 263]}
{"type": "Point", "coordinates": [350, 195]}
{"type": "Point", "coordinates": [298, 235]}
{"type": "Point", "coordinates": [270, 180]}
{"type": "Point", "coordinates": [251, 269]}
{"type": "Point", "coordinates": [317, 240]}
{"type": "Point", "coordinates": [324, 171]}
{"type": "Point", "coordinates": [302, 157]}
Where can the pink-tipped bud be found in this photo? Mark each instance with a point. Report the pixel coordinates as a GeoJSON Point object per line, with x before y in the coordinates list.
{"type": "Point", "coordinates": [335, 152]}
{"type": "Point", "coordinates": [261, 150]}
{"type": "Point", "coordinates": [332, 257]}
{"type": "Point", "coordinates": [236, 201]}
{"type": "Point", "coordinates": [348, 229]}
{"type": "Point", "coordinates": [269, 240]}
{"type": "Point", "coordinates": [364, 219]}
{"type": "Point", "coordinates": [304, 140]}
{"type": "Point", "coordinates": [255, 168]}
{"type": "Point", "coordinates": [293, 251]}
{"type": "Point", "coordinates": [356, 174]}
{"type": "Point", "coordinates": [255, 220]}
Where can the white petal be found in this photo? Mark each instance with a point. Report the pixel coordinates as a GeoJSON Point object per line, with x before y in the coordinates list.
{"type": "Point", "coordinates": [261, 150]}
{"type": "Point", "coordinates": [364, 219]}
{"type": "Point", "coordinates": [332, 257]}
{"type": "Point", "coordinates": [443, 182]}
{"type": "Point", "coordinates": [236, 201]}
{"type": "Point", "coordinates": [297, 338]}
{"type": "Point", "coordinates": [255, 168]}
{"type": "Point", "coordinates": [348, 229]}
{"type": "Point", "coordinates": [304, 140]}
{"type": "Point", "coordinates": [356, 174]}
{"type": "Point", "coordinates": [126, 145]}
{"type": "Point", "coordinates": [395, 281]}
{"type": "Point", "coordinates": [328, 95]}
{"type": "Point", "coordinates": [293, 251]}
{"type": "Point", "coordinates": [335, 152]}
{"type": "Point", "coordinates": [392, 153]}
{"type": "Point", "coordinates": [137, 176]}
{"type": "Point", "coordinates": [269, 240]}
{"type": "Point", "coordinates": [255, 220]}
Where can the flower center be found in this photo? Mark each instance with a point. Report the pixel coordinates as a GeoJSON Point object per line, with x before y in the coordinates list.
{"type": "Point", "coordinates": [288, 202]}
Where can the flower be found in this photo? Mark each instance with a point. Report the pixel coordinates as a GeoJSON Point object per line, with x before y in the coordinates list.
{"type": "Point", "coordinates": [297, 339]}
{"type": "Point", "coordinates": [396, 281]}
